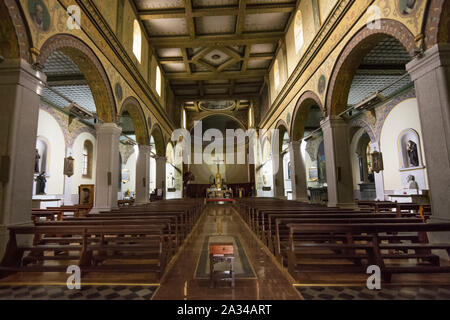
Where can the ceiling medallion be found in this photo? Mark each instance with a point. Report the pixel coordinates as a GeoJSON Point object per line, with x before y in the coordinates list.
{"type": "Point", "coordinates": [215, 57]}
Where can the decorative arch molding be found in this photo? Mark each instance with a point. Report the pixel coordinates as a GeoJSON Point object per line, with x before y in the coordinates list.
{"type": "Point", "coordinates": [158, 136]}
{"type": "Point", "coordinates": [304, 103]}
{"type": "Point", "coordinates": [22, 40]}
{"type": "Point", "coordinates": [132, 105]}
{"type": "Point", "coordinates": [388, 108]}
{"type": "Point", "coordinates": [351, 56]}
{"type": "Point", "coordinates": [437, 27]}
{"type": "Point", "coordinates": [78, 132]}
{"type": "Point", "coordinates": [361, 123]}
{"type": "Point", "coordinates": [91, 67]}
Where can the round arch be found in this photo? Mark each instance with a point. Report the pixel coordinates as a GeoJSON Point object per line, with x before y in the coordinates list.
{"type": "Point", "coordinates": [206, 116]}
{"type": "Point", "coordinates": [133, 107]}
{"type": "Point", "coordinates": [304, 103]}
{"type": "Point", "coordinates": [282, 128]}
{"type": "Point", "coordinates": [14, 29]}
{"type": "Point", "coordinates": [158, 137]}
{"type": "Point", "coordinates": [353, 54]}
{"type": "Point", "coordinates": [91, 67]}
{"type": "Point", "coordinates": [437, 28]}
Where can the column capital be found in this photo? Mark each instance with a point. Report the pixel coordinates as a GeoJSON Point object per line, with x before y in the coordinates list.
{"type": "Point", "coordinates": [144, 148]}
{"type": "Point", "coordinates": [108, 128]}
{"type": "Point", "coordinates": [18, 71]}
{"type": "Point", "coordinates": [332, 121]}
{"type": "Point", "coordinates": [435, 57]}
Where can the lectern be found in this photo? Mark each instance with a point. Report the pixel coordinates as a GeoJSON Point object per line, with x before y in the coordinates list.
{"type": "Point", "coordinates": [219, 253]}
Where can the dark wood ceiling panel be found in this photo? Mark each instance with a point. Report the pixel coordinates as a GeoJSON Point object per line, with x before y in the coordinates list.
{"type": "Point", "coordinates": [215, 48]}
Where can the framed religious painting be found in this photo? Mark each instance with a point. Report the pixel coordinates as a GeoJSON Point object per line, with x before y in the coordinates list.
{"type": "Point", "coordinates": [86, 194]}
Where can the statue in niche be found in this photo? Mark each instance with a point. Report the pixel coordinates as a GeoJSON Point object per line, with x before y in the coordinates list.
{"type": "Point", "coordinates": [171, 181]}
{"type": "Point", "coordinates": [40, 183]}
{"type": "Point", "coordinates": [413, 155]}
{"type": "Point", "coordinates": [37, 157]}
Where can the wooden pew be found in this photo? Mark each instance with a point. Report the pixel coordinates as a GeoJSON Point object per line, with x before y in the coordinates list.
{"type": "Point", "coordinates": [101, 249]}
{"type": "Point", "coordinates": [281, 237]}
{"type": "Point", "coordinates": [373, 252]}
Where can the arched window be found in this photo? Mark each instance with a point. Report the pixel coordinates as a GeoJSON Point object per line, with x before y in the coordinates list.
{"type": "Point", "coordinates": [87, 159]}
{"type": "Point", "coordinates": [276, 72]}
{"type": "Point", "coordinates": [137, 40]}
{"type": "Point", "coordinates": [298, 31]}
{"type": "Point", "coordinates": [158, 80]}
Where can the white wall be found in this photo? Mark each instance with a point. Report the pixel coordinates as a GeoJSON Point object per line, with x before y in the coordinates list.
{"type": "Point", "coordinates": [404, 116]}
{"type": "Point", "coordinates": [130, 165]}
{"type": "Point", "coordinates": [51, 132]}
{"type": "Point", "coordinates": [77, 154]}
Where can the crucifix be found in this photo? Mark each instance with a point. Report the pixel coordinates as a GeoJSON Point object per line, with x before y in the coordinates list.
{"type": "Point", "coordinates": [218, 175]}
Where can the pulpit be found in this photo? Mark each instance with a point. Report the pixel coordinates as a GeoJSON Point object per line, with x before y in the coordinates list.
{"type": "Point", "coordinates": [221, 253]}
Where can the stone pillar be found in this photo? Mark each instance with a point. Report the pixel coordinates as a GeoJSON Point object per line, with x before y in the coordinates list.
{"type": "Point", "coordinates": [20, 89]}
{"type": "Point", "coordinates": [379, 179]}
{"type": "Point", "coordinates": [278, 176]}
{"type": "Point", "coordinates": [431, 76]}
{"type": "Point", "coordinates": [338, 165]}
{"type": "Point", "coordinates": [68, 184]}
{"type": "Point", "coordinates": [108, 166]}
{"type": "Point", "coordinates": [161, 174]}
{"type": "Point", "coordinates": [143, 175]}
{"type": "Point", "coordinates": [298, 173]}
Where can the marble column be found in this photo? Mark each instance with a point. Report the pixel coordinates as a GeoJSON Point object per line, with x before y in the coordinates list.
{"type": "Point", "coordinates": [68, 184]}
{"type": "Point", "coordinates": [338, 164]}
{"type": "Point", "coordinates": [108, 166]}
{"type": "Point", "coordinates": [298, 172]}
{"type": "Point", "coordinates": [143, 175]}
{"type": "Point", "coordinates": [431, 76]}
{"type": "Point", "coordinates": [379, 179]}
{"type": "Point", "coordinates": [20, 89]}
{"type": "Point", "coordinates": [161, 174]}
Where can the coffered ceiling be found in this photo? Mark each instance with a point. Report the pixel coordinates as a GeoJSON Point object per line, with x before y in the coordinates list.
{"type": "Point", "coordinates": [215, 49]}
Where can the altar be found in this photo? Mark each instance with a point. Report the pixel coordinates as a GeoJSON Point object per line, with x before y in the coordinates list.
{"type": "Point", "coordinates": [214, 193]}
{"type": "Point", "coordinates": [219, 191]}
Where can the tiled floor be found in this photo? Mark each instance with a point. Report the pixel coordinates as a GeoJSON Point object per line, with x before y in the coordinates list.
{"type": "Point", "coordinates": [386, 293]}
{"type": "Point", "coordinates": [53, 292]}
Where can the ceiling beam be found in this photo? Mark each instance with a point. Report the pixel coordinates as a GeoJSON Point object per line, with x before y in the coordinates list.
{"type": "Point", "coordinates": [253, 56]}
{"type": "Point", "coordinates": [215, 86]}
{"type": "Point", "coordinates": [225, 75]}
{"type": "Point", "coordinates": [189, 18]}
{"type": "Point", "coordinates": [66, 80]}
{"type": "Point", "coordinates": [245, 96]}
{"type": "Point", "coordinates": [246, 57]}
{"type": "Point", "coordinates": [216, 40]}
{"type": "Point", "coordinates": [185, 59]}
{"type": "Point", "coordinates": [226, 64]}
{"type": "Point", "coordinates": [215, 10]}
{"type": "Point", "coordinates": [240, 21]}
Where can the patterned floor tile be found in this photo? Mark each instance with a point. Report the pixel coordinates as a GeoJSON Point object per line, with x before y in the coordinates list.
{"type": "Point", "coordinates": [389, 293]}
{"type": "Point", "coordinates": [86, 293]}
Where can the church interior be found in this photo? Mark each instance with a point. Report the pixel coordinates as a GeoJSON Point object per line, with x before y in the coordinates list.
{"type": "Point", "coordinates": [109, 110]}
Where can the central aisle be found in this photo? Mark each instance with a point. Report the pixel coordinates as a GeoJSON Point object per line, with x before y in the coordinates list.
{"type": "Point", "coordinates": [257, 276]}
